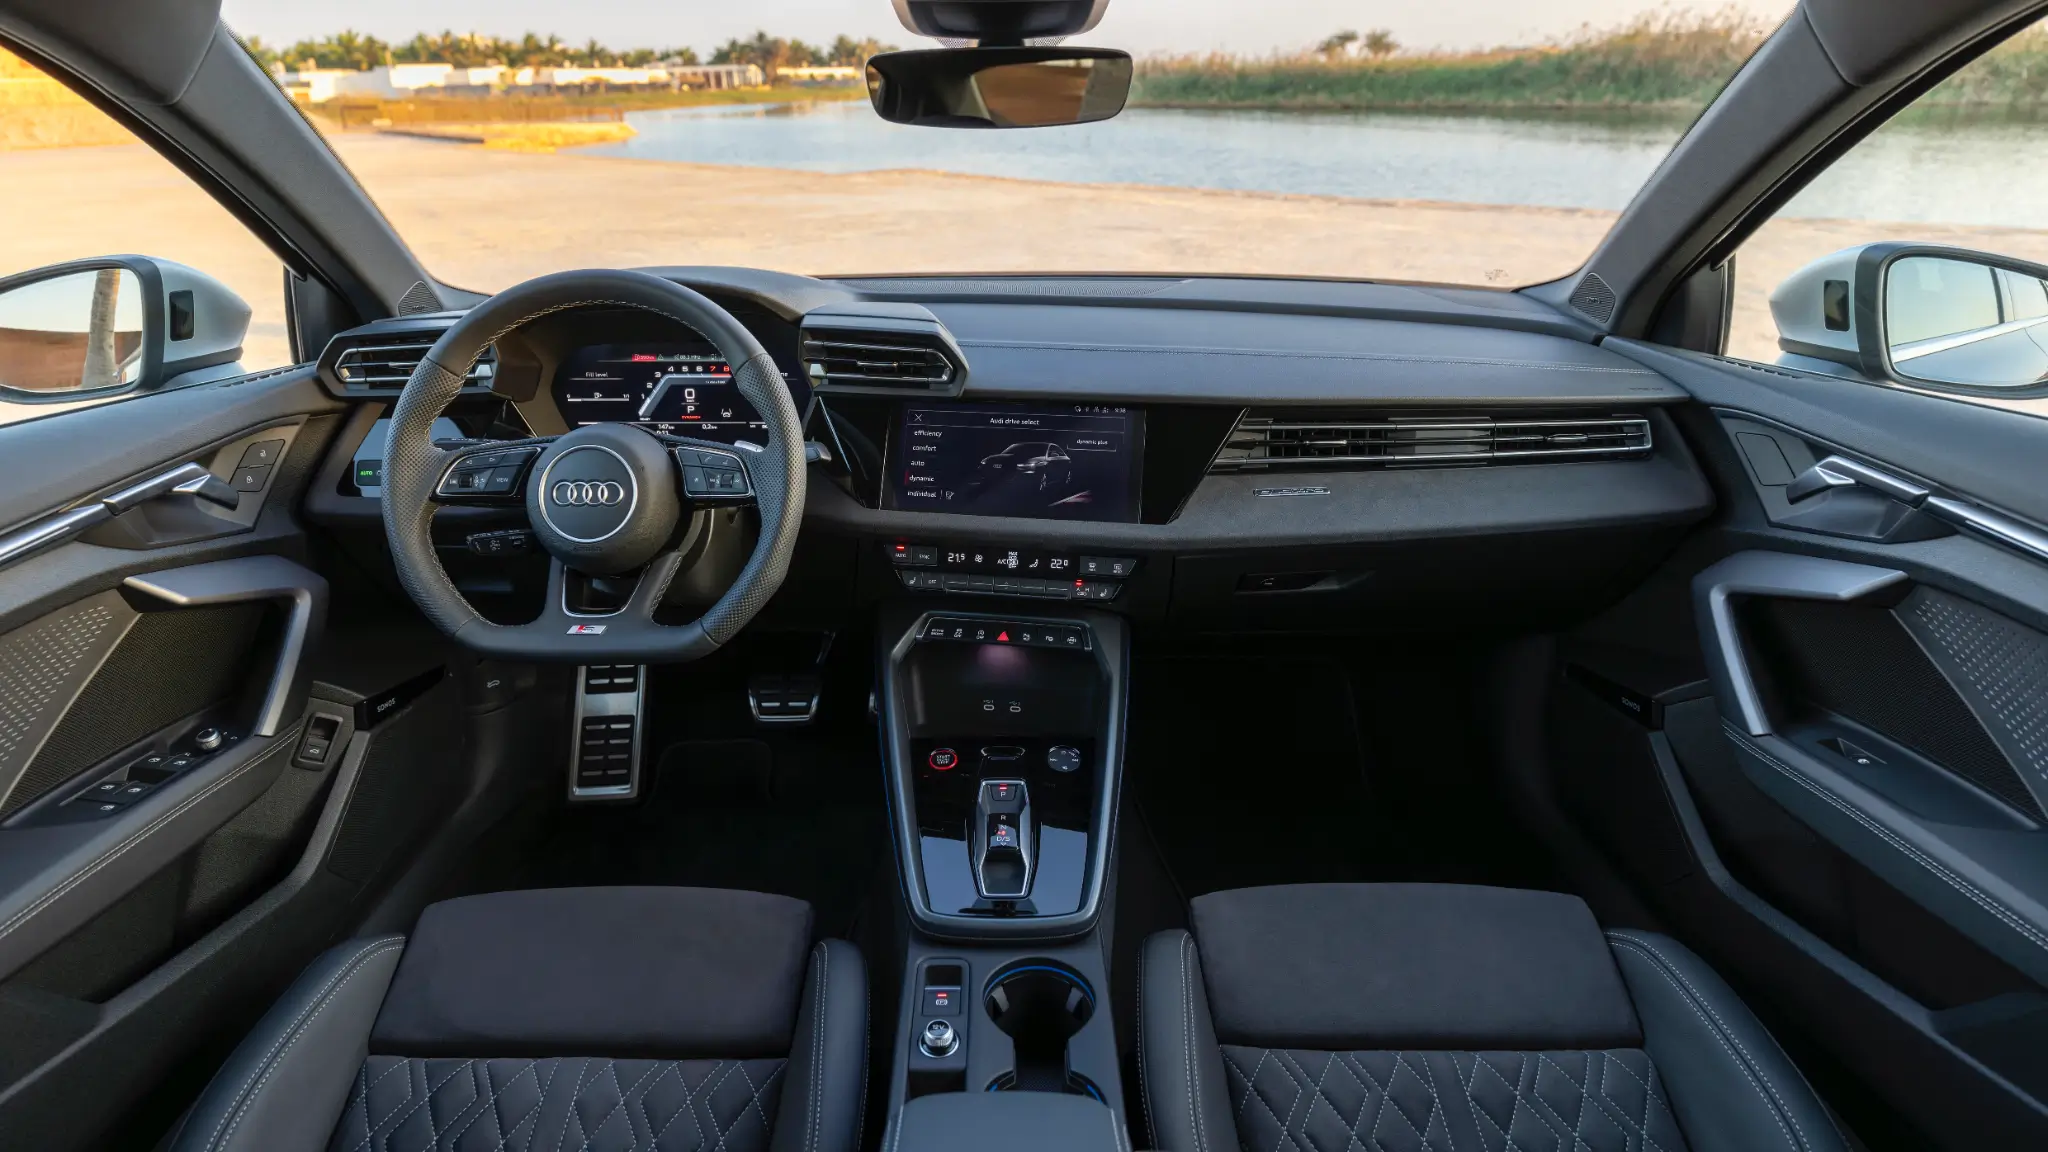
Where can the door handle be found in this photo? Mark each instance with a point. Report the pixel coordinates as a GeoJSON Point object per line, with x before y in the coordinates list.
{"type": "Point", "coordinates": [186, 479]}
{"type": "Point", "coordinates": [1842, 472]}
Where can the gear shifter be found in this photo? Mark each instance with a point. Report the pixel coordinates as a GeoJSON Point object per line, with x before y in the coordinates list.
{"type": "Point", "coordinates": [1002, 840]}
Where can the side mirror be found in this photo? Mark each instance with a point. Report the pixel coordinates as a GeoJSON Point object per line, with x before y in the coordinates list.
{"type": "Point", "coordinates": [1920, 314]}
{"type": "Point", "coordinates": [113, 324]}
{"type": "Point", "coordinates": [999, 87]}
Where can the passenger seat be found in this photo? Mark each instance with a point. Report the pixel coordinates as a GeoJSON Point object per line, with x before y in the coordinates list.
{"type": "Point", "coordinates": [1424, 1016]}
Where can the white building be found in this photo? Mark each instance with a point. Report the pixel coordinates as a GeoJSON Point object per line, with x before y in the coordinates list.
{"type": "Point", "coordinates": [406, 81]}
{"type": "Point", "coordinates": [821, 73]}
{"type": "Point", "coordinates": [717, 75]}
{"type": "Point", "coordinates": [385, 82]}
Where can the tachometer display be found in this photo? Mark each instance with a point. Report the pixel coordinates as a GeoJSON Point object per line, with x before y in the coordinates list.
{"type": "Point", "coordinates": [678, 389]}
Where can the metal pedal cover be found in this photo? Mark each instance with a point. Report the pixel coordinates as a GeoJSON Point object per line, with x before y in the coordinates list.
{"type": "Point", "coordinates": [604, 753]}
{"type": "Point", "coordinates": [780, 699]}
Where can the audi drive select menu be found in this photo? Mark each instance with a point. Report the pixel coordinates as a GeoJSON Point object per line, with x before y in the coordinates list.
{"type": "Point", "coordinates": [1078, 462]}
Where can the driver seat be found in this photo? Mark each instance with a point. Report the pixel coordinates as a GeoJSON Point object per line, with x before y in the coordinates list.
{"type": "Point", "coordinates": [602, 1019]}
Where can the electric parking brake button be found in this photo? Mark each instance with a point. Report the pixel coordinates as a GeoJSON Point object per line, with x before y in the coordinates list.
{"type": "Point", "coordinates": [941, 1001]}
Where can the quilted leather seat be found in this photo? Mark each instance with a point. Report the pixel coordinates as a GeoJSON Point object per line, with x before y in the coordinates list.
{"type": "Point", "coordinates": [1322, 1017]}
{"type": "Point", "coordinates": [601, 1019]}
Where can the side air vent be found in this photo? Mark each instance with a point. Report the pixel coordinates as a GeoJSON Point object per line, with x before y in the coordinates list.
{"type": "Point", "coordinates": [1271, 443]}
{"type": "Point", "coordinates": [382, 365]}
{"type": "Point", "coordinates": [881, 359]}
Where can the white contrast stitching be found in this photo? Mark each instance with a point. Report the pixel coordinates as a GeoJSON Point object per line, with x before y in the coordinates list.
{"type": "Point", "coordinates": [15, 921]}
{"type": "Point", "coordinates": [867, 1002]}
{"type": "Point", "coordinates": [1741, 1061]}
{"type": "Point", "coordinates": [562, 1137]}
{"type": "Point", "coordinates": [1187, 1012]}
{"type": "Point", "coordinates": [1702, 1000]}
{"type": "Point", "coordinates": [1144, 1083]}
{"type": "Point", "coordinates": [246, 1096]}
{"type": "Point", "coordinates": [817, 1084]}
{"type": "Point", "coordinates": [1976, 896]}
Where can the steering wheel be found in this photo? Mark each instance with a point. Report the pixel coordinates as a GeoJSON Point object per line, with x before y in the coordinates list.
{"type": "Point", "coordinates": [604, 500]}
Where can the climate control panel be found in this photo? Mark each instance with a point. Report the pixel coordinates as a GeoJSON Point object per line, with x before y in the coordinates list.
{"type": "Point", "coordinates": [1000, 570]}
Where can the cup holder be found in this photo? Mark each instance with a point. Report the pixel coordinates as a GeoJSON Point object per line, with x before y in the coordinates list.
{"type": "Point", "coordinates": [1040, 1005]}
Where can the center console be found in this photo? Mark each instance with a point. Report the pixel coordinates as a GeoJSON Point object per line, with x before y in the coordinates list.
{"type": "Point", "coordinates": [1003, 732]}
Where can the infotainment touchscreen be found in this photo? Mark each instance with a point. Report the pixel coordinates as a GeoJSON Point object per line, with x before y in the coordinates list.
{"type": "Point", "coordinates": [1056, 462]}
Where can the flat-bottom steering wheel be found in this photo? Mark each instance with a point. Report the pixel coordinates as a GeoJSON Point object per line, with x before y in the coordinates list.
{"type": "Point", "coordinates": [604, 500]}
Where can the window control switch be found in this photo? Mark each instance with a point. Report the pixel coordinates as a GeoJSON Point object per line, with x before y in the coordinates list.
{"type": "Point", "coordinates": [318, 742]}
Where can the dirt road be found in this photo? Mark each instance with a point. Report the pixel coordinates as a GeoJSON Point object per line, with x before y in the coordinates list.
{"type": "Point", "coordinates": [486, 219]}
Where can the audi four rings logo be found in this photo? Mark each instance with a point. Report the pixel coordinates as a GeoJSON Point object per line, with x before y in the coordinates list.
{"type": "Point", "coordinates": [588, 493]}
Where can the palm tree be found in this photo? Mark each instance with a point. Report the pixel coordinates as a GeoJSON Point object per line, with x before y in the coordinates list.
{"type": "Point", "coordinates": [102, 359]}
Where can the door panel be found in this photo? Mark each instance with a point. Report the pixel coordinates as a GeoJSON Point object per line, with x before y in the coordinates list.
{"type": "Point", "coordinates": [138, 617]}
{"type": "Point", "coordinates": [1861, 788]}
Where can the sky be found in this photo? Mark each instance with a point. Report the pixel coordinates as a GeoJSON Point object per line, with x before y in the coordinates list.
{"type": "Point", "coordinates": [1140, 26]}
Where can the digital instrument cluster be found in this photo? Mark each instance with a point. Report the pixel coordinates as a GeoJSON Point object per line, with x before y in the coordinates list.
{"type": "Point", "coordinates": [676, 389]}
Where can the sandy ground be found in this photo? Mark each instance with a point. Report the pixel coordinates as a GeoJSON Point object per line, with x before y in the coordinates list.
{"type": "Point", "coordinates": [486, 219]}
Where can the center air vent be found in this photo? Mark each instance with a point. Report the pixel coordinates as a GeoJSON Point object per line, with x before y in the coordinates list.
{"type": "Point", "coordinates": [849, 359]}
{"type": "Point", "coordinates": [374, 366]}
{"type": "Point", "coordinates": [1269, 442]}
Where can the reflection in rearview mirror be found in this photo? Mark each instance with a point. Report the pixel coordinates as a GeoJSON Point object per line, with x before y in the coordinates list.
{"type": "Point", "coordinates": [999, 87]}
{"type": "Point", "coordinates": [1955, 321]}
{"type": "Point", "coordinates": [76, 332]}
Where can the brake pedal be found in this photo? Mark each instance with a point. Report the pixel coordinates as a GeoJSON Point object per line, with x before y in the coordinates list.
{"type": "Point", "coordinates": [604, 759]}
{"type": "Point", "coordinates": [780, 699]}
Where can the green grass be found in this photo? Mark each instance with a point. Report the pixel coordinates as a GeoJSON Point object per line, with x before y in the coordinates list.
{"type": "Point", "coordinates": [1672, 61]}
{"type": "Point", "coordinates": [2012, 77]}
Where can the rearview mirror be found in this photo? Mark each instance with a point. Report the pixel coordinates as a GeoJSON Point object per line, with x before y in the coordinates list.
{"type": "Point", "coordinates": [112, 324]}
{"type": "Point", "coordinates": [1920, 314]}
{"type": "Point", "coordinates": [999, 87]}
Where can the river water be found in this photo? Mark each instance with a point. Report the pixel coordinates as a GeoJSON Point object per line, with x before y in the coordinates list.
{"type": "Point", "coordinates": [1972, 172]}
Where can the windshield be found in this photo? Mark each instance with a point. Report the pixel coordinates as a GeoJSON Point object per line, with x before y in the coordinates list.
{"type": "Point", "coordinates": [1483, 142]}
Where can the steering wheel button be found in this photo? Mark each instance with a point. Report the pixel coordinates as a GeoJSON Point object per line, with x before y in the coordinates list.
{"type": "Point", "coordinates": [696, 481]}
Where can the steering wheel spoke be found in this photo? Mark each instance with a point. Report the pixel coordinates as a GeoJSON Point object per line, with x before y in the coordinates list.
{"type": "Point", "coordinates": [572, 630]}
{"type": "Point", "coordinates": [490, 473]}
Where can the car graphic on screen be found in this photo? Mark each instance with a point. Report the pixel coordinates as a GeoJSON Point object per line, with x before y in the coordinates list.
{"type": "Point", "coordinates": [1046, 461]}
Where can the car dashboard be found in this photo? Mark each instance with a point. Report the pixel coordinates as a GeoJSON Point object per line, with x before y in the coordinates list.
{"type": "Point", "coordinates": [1206, 453]}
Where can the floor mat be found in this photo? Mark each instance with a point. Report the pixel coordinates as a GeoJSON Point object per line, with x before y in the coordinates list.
{"type": "Point", "coordinates": [1254, 771]}
{"type": "Point", "coordinates": [768, 815]}
{"type": "Point", "coordinates": [1251, 772]}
